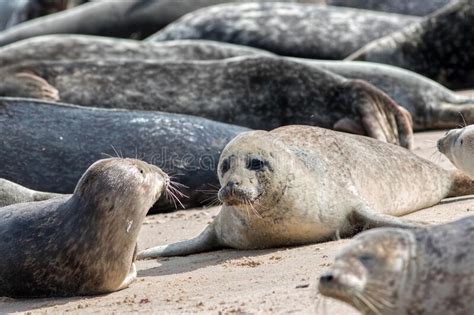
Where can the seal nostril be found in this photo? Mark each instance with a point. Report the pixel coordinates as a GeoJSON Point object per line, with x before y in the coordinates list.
{"type": "Point", "coordinates": [326, 278]}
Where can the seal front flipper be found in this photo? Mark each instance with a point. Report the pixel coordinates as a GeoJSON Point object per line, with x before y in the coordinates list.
{"type": "Point", "coordinates": [131, 276]}
{"type": "Point", "coordinates": [380, 117]}
{"type": "Point", "coordinates": [25, 84]}
{"type": "Point", "coordinates": [207, 240]}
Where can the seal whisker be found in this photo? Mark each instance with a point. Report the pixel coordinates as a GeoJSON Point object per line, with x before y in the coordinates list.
{"type": "Point", "coordinates": [169, 191]}
{"type": "Point", "coordinates": [254, 210]}
{"type": "Point", "coordinates": [367, 303]}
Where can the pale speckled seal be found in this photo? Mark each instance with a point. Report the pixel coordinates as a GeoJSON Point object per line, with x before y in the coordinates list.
{"type": "Point", "coordinates": [131, 18]}
{"type": "Point", "coordinates": [409, 7]}
{"type": "Point", "coordinates": [83, 244]}
{"type": "Point", "coordinates": [47, 146]}
{"type": "Point", "coordinates": [253, 91]}
{"type": "Point", "coordinates": [458, 146]}
{"type": "Point", "coordinates": [299, 184]}
{"type": "Point", "coordinates": [12, 193]}
{"type": "Point", "coordinates": [290, 29]}
{"type": "Point", "coordinates": [440, 47]}
{"type": "Point", "coordinates": [397, 271]}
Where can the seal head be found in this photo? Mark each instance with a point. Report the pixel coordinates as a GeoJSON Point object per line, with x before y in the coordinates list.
{"type": "Point", "coordinates": [458, 146]}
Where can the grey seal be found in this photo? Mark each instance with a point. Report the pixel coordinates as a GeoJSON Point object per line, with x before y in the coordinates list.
{"type": "Point", "coordinates": [409, 7]}
{"type": "Point", "coordinates": [12, 193]}
{"type": "Point", "coordinates": [458, 146]}
{"type": "Point", "coordinates": [299, 184]}
{"type": "Point", "coordinates": [82, 244]}
{"type": "Point", "coordinates": [396, 271]}
{"type": "Point", "coordinates": [439, 47]}
{"type": "Point", "coordinates": [290, 29]}
{"type": "Point", "coordinates": [252, 91]}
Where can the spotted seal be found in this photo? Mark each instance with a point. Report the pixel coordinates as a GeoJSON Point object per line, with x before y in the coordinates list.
{"type": "Point", "coordinates": [252, 91]}
{"type": "Point", "coordinates": [290, 29]}
{"type": "Point", "coordinates": [397, 271]}
{"type": "Point", "coordinates": [299, 184]}
{"type": "Point", "coordinates": [82, 244]}
{"type": "Point", "coordinates": [409, 7]}
{"type": "Point", "coordinates": [458, 146]}
{"type": "Point", "coordinates": [12, 193]}
{"type": "Point", "coordinates": [439, 47]}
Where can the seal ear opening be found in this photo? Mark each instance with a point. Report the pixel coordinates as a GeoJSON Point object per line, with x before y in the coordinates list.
{"type": "Point", "coordinates": [379, 116]}
{"type": "Point", "coordinates": [29, 85]}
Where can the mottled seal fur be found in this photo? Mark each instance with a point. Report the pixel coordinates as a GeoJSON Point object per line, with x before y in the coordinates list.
{"type": "Point", "coordinates": [253, 91]}
{"type": "Point", "coordinates": [458, 146]}
{"type": "Point", "coordinates": [440, 47]}
{"type": "Point", "coordinates": [409, 7]}
{"type": "Point", "coordinates": [48, 146]}
{"type": "Point", "coordinates": [12, 193]}
{"type": "Point", "coordinates": [131, 18]}
{"type": "Point", "coordinates": [290, 29]}
{"type": "Point", "coordinates": [82, 244]}
{"type": "Point", "coordinates": [396, 272]}
{"type": "Point", "coordinates": [300, 184]}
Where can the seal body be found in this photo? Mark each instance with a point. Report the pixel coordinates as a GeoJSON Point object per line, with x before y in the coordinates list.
{"type": "Point", "coordinates": [409, 7]}
{"type": "Point", "coordinates": [61, 141]}
{"type": "Point", "coordinates": [458, 146]}
{"type": "Point", "coordinates": [252, 91]}
{"type": "Point", "coordinates": [11, 193]}
{"type": "Point", "coordinates": [83, 244]}
{"type": "Point", "coordinates": [290, 29]}
{"type": "Point", "coordinates": [439, 47]}
{"type": "Point", "coordinates": [394, 271]}
{"type": "Point", "coordinates": [298, 184]}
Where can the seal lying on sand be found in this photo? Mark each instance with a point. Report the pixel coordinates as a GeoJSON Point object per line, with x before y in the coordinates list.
{"type": "Point", "coordinates": [397, 271]}
{"type": "Point", "coordinates": [83, 244]}
{"type": "Point", "coordinates": [458, 146]}
{"type": "Point", "coordinates": [298, 184]}
{"type": "Point", "coordinates": [48, 146]}
{"type": "Point", "coordinates": [440, 47]}
{"type": "Point", "coordinates": [410, 7]}
{"type": "Point", "coordinates": [84, 47]}
{"type": "Point", "coordinates": [290, 29]}
{"type": "Point", "coordinates": [11, 193]}
{"type": "Point", "coordinates": [254, 91]}
{"type": "Point", "coordinates": [132, 18]}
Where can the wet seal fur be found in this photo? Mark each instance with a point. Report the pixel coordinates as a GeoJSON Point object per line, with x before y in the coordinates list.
{"type": "Point", "coordinates": [458, 146]}
{"type": "Point", "coordinates": [409, 7]}
{"type": "Point", "coordinates": [12, 193]}
{"type": "Point", "coordinates": [262, 92]}
{"type": "Point", "coordinates": [395, 272]}
{"type": "Point", "coordinates": [289, 29]}
{"type": "Point", "coordinates": [439, 47]}
{"type": "Point", "coordinates": [298, 185]}
{"type": "Point", "coordinates": [83, 244]}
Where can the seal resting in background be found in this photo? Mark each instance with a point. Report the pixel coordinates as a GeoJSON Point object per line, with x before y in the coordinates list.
{"type": "Point", "coordinates": [440, 47]}
{"type": "Point", "coordinates": [458, 146]}
{"type": "Point", "coordinates": [47, 146]}
{"type": "Point", "coordinates": [290, 29]}
{"type": "Point", "coordinates": [397, 271]}
{"type": "Point", "coordinates": [82, 244]}
{"type": "Point", "coordinates": [252, 91]}
{"type": "Point", "coordinates": [12, 193]}
{"type": "Point", "coordinates": [297, 185]}
{"type": "Point", "coordinates": [409, 7]}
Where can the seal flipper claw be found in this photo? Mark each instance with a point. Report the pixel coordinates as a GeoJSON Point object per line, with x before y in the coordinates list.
{"type": "Point", "coordinates": [207, 240]}
{"type": "Point", "coordinates": [131, 276]}
{"type": "Point", "coordinates": [25, 84]}
{"type": "Point", "coordinates": [367, 218]}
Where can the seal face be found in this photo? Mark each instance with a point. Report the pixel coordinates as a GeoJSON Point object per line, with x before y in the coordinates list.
{"type": "Point", "coordinates": [458, 146]}
{"type": "Point", "coordinates": [83, 244]}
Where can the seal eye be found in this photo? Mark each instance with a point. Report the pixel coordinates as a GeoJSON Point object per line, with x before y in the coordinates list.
{"type": "Point", "coordinates": [366, 259]}
{"type": "Point", "coordinates": [141, 171]}
{"type": "Point", "coordinates": [462, 141]}
{"type": "Point", "coordinates": [225, 166]}
{"type": "Point", "coordinates": [256, 164]}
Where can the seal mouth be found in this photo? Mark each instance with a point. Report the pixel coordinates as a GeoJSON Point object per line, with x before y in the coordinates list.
{"type": "Point", "coordinates": [234, 197]}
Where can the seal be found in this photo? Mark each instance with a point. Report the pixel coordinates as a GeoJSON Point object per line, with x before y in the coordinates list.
{"type": "Point", "coordinates": [439, 47]}
{"type": "Point", "coordinates": [408, 7]}
{"type": "Point", "coordinates": [397, 271]}
{"type": "Point", "coordinates": [431, 105]}
{"type": "Point", "coordinates": [12, 193]}
{"type": "Point", "coordinates": [252, 91]}
{"type": "Point", "coordinates": [290, 29]}
{"type": "Point", "coordinates": [85, 47]}
{"type": "Point", "coordinates": [82, 244]}
{"type": "Point", "coordinates": [297, 185]}
{"type": "Point", "coordinates": [458, 146]}
{"type": "Point", "coordinates": [133, 18]}
{"type": "Point", "coordinates": [47, 146]}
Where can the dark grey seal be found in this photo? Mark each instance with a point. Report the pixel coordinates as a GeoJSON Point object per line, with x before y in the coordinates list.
{"type": "Point", "coordinates": [400, 272]}
{"type": "Point", "coordinates": [409, 7]}
{"type": "Point", "coordinates": [290, 29]}
{"type": "Point", "coordinates": [255, 91]}
{"type": "Point", "coordinates": [12, 193]}
{"type": "Point", "coordinates": [82, 244]}
{"type": "Point", "coordinates": [440, 47]}
{"type": "Point", "coordinates": [48, 146]}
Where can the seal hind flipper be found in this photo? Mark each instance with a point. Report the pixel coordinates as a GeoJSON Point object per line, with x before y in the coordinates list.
{"type": "Point", "coordinates": [26, 84]}
{"type": "Point", "coordinates": [206, 240]}
{"type": "Point", "coordinates": [380, 117]}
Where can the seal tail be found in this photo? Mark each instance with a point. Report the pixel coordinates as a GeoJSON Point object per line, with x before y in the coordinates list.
{"type": "Point", "coordinates": [205, 241]}
{"type": "Point", "coordinates": [462, 185]}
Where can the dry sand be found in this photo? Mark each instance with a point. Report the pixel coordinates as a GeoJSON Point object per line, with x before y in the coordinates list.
{"type": "Point", "coordinates": [229, 281]}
